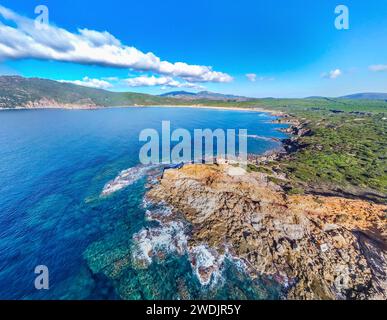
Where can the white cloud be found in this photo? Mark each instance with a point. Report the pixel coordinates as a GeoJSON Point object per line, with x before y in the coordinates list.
{"type": "Point", "coordinates": [333, 74]}
{"type": "Point", "coordinates": [251, 76]}
{"type": "Point", "coordinates": [378, 67]}
{"type": "Point", "coordinates": [142, 81]}
{"type": "Point", "coordinates": [145, 81]}
{"type": "Point", "coordinates": [20, 39]}
{"type": "Point", "coordinates": [92, 83]}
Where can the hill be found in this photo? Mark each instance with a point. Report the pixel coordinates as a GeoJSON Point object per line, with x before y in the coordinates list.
{"type": "Point", "coordinates": [206, 95]}
{"type": "Point", "coordinates": [367, 96]}
{"type": "Point", "coordinates": [19, 92]}
{"type": "Point", "coordinates": [178, 94]}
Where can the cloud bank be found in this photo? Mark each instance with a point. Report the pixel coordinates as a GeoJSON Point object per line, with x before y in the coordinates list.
{"type": "Point", "coordinates": [142, 81]}
{"type": "Point", "coordinates": [20, 39]}
{"type": "Point", "coordinates": [333, 74]}
{"type": "Point", "coordinates": [146, 81]}
{"type": "Point", "coordinates": [378, 67]}
{"type": "Point", "coordinates": [92, 83]}
{"type": "Point", "coordinates": [251, 77]}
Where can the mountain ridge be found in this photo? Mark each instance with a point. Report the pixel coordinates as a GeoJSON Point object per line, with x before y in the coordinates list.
{"type": "Point", "coordinates": [30, 93]}
{"type": "Point", "coordinates": [205, 95]}
{"type": "Point", "coordinates": [366, 96]}
{"type": "Point", "coordinates": [20, 92]}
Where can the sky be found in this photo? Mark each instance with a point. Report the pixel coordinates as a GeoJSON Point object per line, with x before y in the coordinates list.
{"type": "Point", "coordinates": [256, 48]}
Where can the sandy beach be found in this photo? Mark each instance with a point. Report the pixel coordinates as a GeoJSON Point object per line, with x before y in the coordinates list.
{"type": "Point", "coordinates": [79, 107]}
{"type": "Point", "coordinates": [255, 109]}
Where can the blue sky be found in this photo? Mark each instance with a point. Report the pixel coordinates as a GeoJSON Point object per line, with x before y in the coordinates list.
{"type": "Point", "coordinates": [290, 48]}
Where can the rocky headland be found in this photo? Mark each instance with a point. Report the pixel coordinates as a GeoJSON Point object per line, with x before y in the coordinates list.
{"type": "Point", "coordinates": [318, 247]}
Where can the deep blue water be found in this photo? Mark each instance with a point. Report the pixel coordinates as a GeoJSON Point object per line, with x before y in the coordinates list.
{"type": "Point", "coordinates": [53, 167]}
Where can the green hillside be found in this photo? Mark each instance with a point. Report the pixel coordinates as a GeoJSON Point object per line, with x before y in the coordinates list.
{"type": "Point", "coordinates": [17, 91]}
{"type": "Point", "coordinates": [22, 92]}
{"type": "Point", "coordinates": [312, 104]}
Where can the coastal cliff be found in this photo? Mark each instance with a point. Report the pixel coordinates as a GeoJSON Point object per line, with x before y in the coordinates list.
{"type": "Point", "coordinates": [318, 247]}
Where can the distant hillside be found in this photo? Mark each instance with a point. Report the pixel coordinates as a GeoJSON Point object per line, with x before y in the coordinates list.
{"type": "Point", "coordinates": [178, 94]}
{"type": "Point", "coordinates": [315, 97]}
{"type": "Point", "coordinates": [367, 96]}
{"type": "Point", "coordinates": [204, 95]}
{"type": "Point", "coordinates": [19, 92]}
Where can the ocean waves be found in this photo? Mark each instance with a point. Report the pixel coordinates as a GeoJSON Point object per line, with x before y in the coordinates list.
{"type": "Point", "coordinates": [126, 178]}
{"type": "Point", "coordinates": [171, 236]}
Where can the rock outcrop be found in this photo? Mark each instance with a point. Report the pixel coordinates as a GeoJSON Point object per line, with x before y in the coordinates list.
{"type": "Point", "coordinates": [318, 247]}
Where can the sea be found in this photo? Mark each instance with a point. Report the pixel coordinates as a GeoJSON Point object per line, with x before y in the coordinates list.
{"type": "Point", "coordinates": [54, 168]}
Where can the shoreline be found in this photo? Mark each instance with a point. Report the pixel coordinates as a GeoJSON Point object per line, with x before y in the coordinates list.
{"type": "Point", "coordinates": [253, 109]}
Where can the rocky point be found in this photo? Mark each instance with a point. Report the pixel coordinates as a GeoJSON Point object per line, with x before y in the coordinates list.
{"type": "Point", "coordinates": [318, 247]}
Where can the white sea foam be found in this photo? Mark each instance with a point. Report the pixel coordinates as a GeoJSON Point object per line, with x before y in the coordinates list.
{"type": "Point", "coordinates": [168, 237]}
{"type": "Point", "coordinates": [146, 203]}
{"type": "Point", "coordinates": [125, 179]}
{"type": "Point", "coordinates": [207, 264]}
{"type": "Point", "coordinates": [257, 137]}
{"type": "Point", "coordinates": [171, 237]}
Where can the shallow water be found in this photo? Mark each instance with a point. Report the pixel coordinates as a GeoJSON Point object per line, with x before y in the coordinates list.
{"type": "Point", "coordinates": [54, 164]}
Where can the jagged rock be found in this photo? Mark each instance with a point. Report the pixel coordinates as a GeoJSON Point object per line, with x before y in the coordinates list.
{"type": "Point", "coordinates": [310, 242]}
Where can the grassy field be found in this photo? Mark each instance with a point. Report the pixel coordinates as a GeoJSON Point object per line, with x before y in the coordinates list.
{"type": "Point", "coordinates": [305, 105]}
{"type": "Point", "coordinates": [343, 150]}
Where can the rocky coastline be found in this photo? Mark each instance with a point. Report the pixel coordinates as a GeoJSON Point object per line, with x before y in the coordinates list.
{"type": "Point", "coordinates": [298, 130]}
{"type": "Point", "coordinates": [318, 247]}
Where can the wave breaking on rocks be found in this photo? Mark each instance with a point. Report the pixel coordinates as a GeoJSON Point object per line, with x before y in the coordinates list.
{"type": "Point", "coordinates": [126, 178]}
{"type": "Point", "coordinates": [171, 235]}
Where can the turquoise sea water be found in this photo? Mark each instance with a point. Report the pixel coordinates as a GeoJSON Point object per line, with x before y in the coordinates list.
{"type": "Point", "coordinates": [54, 165]}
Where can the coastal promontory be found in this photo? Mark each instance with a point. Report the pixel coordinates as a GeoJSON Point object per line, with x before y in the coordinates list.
{"type": "Point", "coordinates": [318, 247]}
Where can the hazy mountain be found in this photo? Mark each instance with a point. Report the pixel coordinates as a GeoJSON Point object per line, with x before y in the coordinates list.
{"type": "Point", "coordinates": [19, 92]}
{"type": "Point", "coordinates": [178, 94]}
{"type": "Point", "coordinates": [315, 97]}
{"type": "Point", "coordinates": [367, 96]}
{"type": "Point", "coordinates": [205, 95]}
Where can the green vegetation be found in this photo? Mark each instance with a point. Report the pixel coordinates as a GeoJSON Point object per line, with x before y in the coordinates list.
{"type": "Point", "coordinates": [346, 149]}
{"type": "Point", "coordinates": [21, 92]}
{"type": "Point", "coordinates": [317, 105]}
{"type": "Point", "coordinates": [262, 169]}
